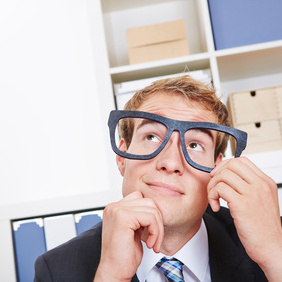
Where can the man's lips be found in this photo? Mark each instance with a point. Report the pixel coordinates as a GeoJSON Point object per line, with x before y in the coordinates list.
{"type": "Point", "coordinates": [166, 189]}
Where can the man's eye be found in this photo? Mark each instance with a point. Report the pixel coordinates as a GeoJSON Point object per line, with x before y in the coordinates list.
{"type": "Point", "coordinates": [152, 137]}
{"type": "Point", "coordinates": [195, 146]}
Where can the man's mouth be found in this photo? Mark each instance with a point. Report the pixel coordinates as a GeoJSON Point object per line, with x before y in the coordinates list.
{"type": "Point", "coordinates": [165, 189]}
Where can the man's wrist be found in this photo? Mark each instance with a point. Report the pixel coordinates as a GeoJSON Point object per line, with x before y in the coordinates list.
{"type": "Point", "coordinates": [272, 267]}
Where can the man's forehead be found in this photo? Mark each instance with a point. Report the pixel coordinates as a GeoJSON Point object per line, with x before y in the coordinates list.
{"type": "Point", "coordinates": [177, 107]}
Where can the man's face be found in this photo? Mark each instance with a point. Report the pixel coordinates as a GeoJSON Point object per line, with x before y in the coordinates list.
{"type": "Point", "coordinates": [178, 190]}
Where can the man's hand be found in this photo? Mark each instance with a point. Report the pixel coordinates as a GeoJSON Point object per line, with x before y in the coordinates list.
{"type": "Point", "coordinates": [252, 198]}
{"type": "Point", "coordinates": [124, 224]}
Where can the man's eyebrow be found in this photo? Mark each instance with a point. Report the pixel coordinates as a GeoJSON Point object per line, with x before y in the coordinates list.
{"type": "Point", "coordinates": [206, 131]}
{"type": "Point", "coordinates": [146, 121]}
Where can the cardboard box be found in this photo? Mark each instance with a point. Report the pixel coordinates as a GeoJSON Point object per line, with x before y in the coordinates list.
{"type": "Point", "coordinates": [240, 22]}
{"type": "Point", "coordinates": [157, 42]}
{"type": "Point", "coordinates": [253, 106]}
{"type": "Point", "coordinates": [263, 136]}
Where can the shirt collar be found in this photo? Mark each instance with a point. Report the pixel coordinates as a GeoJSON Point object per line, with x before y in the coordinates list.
{"type": "Point", "coordinates": [194, 254]}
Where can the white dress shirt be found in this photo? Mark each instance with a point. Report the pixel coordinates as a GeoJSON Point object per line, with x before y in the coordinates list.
{"type": "Point", "coordinates": [194, 254]}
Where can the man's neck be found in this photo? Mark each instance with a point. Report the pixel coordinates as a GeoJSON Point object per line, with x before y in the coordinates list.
{"type": "Point", "coordinates": [176, 237]}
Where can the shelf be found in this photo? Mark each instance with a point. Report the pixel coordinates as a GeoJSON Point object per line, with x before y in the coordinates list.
{"type": "Point", "coordinates": [158, 68]}
{"type": "Point", "coordinates": [249, 48]}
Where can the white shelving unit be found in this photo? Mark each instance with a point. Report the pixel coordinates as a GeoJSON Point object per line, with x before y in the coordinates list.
{"type": "Point", "coordinates": [234, 69]}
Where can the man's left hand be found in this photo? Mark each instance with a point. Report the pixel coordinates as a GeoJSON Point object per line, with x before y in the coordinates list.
{"type": "Point", "coordinates": [252, 198]}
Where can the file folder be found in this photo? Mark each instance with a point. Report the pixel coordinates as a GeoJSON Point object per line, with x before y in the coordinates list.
{"type": "Point", "coordinates": [86, 220]}
{"type": "Point", "coordinates": [29, 243]}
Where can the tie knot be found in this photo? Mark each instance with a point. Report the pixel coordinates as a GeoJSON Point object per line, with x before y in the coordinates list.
{"type": "Point", "coordinates": [171, 268]}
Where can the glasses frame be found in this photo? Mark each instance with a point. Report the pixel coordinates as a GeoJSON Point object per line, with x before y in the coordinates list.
{"type": "Point", "coordinates": [173, 125]}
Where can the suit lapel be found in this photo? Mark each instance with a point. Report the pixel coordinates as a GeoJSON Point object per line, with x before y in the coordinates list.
{"type": "Point", "coordinates": [227, 259]}
{"type": "Point", "coordinates": [135, 279]}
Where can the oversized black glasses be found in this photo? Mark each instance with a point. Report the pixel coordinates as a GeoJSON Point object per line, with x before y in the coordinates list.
{"type": "Point", "coordinates": [151, 133]}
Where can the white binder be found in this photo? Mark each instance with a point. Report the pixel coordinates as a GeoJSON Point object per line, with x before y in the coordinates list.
{"type": "Point", "coordinates": [125, 90]}
{"type": "Point", "coordinates": [58, 230]}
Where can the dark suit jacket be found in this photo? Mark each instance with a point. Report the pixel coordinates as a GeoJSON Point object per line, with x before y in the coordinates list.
{"type": "Point", "coordinates": [78, 259]}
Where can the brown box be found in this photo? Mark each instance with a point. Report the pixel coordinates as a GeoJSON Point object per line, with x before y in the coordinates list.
{"type": "Point", "coordinates": [263, 136]}
{"type": "Point", "coordinates": [157, 42]}
{"type": "Point", "coordinates": [259, 113]}
{"type": "Point", "coordinates": [253, 106]}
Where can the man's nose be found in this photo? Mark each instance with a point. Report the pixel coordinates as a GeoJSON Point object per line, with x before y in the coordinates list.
{"type": "Point", "coordinates": [171, 158]}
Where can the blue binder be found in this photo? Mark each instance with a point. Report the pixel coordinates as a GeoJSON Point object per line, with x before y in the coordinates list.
{"type": "Point", "coordinates": [29, 243]}
{"type": "Point", "coordinates": [85, 221]}
{"type": "Point", "coordinates": [243, 22]}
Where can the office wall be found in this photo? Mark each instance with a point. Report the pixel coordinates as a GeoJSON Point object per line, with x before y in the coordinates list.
{"type": "Point", "coordinates": [50, 115]}
{"type": "Point", "coordinates": [54, 146]}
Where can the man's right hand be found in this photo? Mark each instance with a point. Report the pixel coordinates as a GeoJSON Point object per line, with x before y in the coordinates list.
{"type": "Point", "coordinates": [124, 224]}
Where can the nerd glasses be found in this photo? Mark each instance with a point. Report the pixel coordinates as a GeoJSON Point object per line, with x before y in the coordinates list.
{"type": "Point", "coordinates": [151, 133]}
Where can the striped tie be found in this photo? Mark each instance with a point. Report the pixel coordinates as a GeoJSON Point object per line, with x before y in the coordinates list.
{"type": "Point", "coordinates": [172, 269]}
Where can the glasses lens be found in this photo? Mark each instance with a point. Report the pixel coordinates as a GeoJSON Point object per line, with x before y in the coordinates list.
{"type": "Point", "coordinates": [202, 144]}
{"type": "Point", "coordinates": [144, 136]}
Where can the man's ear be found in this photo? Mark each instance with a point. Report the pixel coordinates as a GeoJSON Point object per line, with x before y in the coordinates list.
{"type": "Point", "coordinates": [120, 160]}
{"type": "Point", "coordinates": [218, 159]}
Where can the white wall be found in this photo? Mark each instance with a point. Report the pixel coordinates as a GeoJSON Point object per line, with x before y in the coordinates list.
{"type": "Point", "coordinates": [48, 102]}
{"type": "Point", "coordinates": [53, 135]}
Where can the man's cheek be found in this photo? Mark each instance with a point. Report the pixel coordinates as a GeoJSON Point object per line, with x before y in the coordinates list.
{"type": "Point", "coordinates": [128, 186]}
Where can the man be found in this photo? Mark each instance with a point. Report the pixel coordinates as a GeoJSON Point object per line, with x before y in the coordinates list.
{"type": "Point", "coordinates": [170, 156]}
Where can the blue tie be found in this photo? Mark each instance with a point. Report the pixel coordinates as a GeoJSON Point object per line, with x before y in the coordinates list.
{"type": "Point", "coordinates": [171, 268]}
